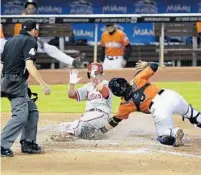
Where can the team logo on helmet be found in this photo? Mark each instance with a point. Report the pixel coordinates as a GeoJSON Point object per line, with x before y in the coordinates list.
{"type": "Point", "coordinates": [96, 68]}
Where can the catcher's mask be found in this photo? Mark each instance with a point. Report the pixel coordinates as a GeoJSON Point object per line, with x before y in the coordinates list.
{"type": "Point", "coordinates": [119, 86]}
{"type": "Point", "coordinates": [96, 68]}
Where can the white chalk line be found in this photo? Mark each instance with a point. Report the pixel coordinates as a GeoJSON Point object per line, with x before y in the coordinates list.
{"type": "Point", "coordinates": [140, 151]}
{"type": "Point", "coordinates": [179, 154]}
{"type": "Point", "coordinates": [136, 151]}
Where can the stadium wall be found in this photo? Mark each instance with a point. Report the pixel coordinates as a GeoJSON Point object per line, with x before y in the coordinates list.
{"type": "Point", "coordinates": [183, 74]}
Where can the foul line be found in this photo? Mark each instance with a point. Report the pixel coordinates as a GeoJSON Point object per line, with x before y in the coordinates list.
{"type": "Point", "coordinates": [136, 151]}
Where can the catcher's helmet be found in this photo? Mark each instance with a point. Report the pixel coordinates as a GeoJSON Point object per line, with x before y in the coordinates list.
{"type": "Point", "coordinates": [118, 86]}
{"type": "Point", "coordinates": [29, 2]}
{"type": "Point", "coordinates": [96, 67]}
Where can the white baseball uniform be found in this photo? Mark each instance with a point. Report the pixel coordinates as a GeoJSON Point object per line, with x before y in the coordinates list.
{"type": "Point", "coordinates": [51, 50]}
{"type": "Point", "coordinates": [96, 114]}
{"type": "Point", "coordinates": [113, 62]}
{"type": "Point", "coordinates": [165, 106]}
{"type": "Point", "coordinates": [114, 45]}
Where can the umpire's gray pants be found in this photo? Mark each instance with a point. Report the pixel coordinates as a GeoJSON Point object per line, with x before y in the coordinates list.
{"type": "Point", "coordinates": [24, 120]}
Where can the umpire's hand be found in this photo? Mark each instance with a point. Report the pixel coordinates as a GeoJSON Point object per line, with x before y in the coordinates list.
{"type": "Point", "coordinates": [46, 89]}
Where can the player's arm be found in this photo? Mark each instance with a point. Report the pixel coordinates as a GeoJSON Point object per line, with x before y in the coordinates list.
{"type": "Point", "coordinates": [127, 51]}
{"type": "Point", "coordinates": [145, 69]}
{"type": "Point", "coordinates": [34, 72]}
{"type": "Point", "coordinates": [103, 89]}
{"type": "Point", "coordinates": [102, 53]}
{"type": "Point", "coordinates": [125, 109]}
{"type": "Point", "coordinates": [29, 53]}
{"type": "Point", "coordinates": [112, 122]}
{"type": "Point", "coordinates": [17, 28]}
{"type": "Point", "coordinates": [78, 94]}
{"type": "Point", "coordinates": [127, 46]}
{"type": "Point", "coordinates": [1, 68]}
{"type": "Point", "coordinates": [72, 91]}
{"type": "Point", "coordinates": [102, 50]}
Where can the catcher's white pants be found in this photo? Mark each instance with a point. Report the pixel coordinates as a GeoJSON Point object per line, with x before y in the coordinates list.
{"type": "Point", "coordinates": [116, 63]}
{"type": "Point", "coordinates": [52, 51]}
{"type": "Point", "coordinates": [88, 124]}
{"type": "Point", "coordinates": [164, 107]}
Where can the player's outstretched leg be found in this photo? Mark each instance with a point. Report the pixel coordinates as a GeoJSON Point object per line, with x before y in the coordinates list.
{"type": "Point", "coordinates": [193, 115]}
{"type": "Point", "coordinates": [182, 107]}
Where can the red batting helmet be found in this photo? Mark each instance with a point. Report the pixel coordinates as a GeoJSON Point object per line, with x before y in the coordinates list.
{"type": "Point", "coordinates": [96, 67]}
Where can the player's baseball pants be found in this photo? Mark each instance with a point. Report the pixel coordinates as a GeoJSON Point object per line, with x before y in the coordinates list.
{"type": "Point", "coordinates": [115, 63]}
{"type": "Point", "coordinates": [164, 107]}
{"type": "Point", "coordinates": [24, 120]}
{"type": "Point", "coordinates": [52, 51]}
{"type": "Point", "coordinates": [89, 123]}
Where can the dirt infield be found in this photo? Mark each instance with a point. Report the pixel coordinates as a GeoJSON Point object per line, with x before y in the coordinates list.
{"type": "Point", "coordinates": [130, 149]}
{"type": "Point", "coordinates": [164, 74]}
{"type": "Point", "coordinates": [134, 151]}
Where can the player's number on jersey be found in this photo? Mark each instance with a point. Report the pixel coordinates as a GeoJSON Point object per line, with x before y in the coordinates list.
{"type": "Point", "coordinates": [32, 52]}
{"type": "Point", "coordinates": [143, 98]}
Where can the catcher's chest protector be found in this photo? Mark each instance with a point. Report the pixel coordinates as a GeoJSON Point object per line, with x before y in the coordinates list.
{"type": "Point", "coordinates": [139, 96]}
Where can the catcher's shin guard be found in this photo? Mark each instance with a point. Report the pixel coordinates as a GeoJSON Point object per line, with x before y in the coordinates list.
{"type": "Point", "coordinates": [194, 116]}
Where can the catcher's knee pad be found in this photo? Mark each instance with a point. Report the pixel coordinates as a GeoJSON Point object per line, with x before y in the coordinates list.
{"type": "Point", "coordinates": [192, 114]}
{"type": "Point", "coordinates": [166, 140]}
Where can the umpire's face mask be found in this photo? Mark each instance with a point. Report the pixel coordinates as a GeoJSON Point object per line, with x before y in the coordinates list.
{"type": "Point", "coordinates": [31, 9]}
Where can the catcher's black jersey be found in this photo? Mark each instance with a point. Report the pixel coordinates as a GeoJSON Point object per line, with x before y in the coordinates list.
{"type": "Point", "coordinates": [16, 51]}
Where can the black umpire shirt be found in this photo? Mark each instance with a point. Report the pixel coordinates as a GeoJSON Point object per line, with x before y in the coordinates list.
{"type": "Point", "coordinates": [16, 51]}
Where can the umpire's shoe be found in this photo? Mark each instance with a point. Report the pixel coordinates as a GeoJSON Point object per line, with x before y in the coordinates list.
{"type": "Point", "coordinates": [6, 152]}
{"type": "Point", "coordinates": [30, 147]}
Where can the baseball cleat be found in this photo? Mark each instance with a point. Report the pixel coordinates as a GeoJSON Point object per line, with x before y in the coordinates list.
{"type": "Point", "coordinates": [197, 125]}
{"type": "Point", "coordinates": [6, 152]}
{"type": "Point", "coordinates": [77, 62]}
{"type": "Point", "coordinates": [179, 138]}
{"type": "Point", "coordinates": [30, 147]}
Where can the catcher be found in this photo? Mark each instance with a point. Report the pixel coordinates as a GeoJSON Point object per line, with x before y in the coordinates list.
{"type": "Point", "coordinates": [148, 98]}
{"type": "Point", "coordinates": [98, 106]}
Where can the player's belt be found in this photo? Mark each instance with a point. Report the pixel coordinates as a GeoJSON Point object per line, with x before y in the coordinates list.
{"type": "Point", "coordinates": [159, 93]}
{"type": "Point", "coordinates": [95, 109]}
{"type": "Point", "coordinates": [112, 57]}
{"type": "Point", "coordinates": [14, 74]}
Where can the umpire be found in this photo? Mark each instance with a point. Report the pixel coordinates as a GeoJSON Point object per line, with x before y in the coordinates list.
{"type": "Point", "coordinates": [17, 63]}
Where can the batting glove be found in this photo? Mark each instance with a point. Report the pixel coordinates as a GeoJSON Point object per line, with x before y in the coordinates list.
{"type": "Point", "coordinates": [74, 77]}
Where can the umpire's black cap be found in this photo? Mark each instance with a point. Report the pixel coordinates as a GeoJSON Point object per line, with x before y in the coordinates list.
{"type": "Point", "coordinates": [29, 25]}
